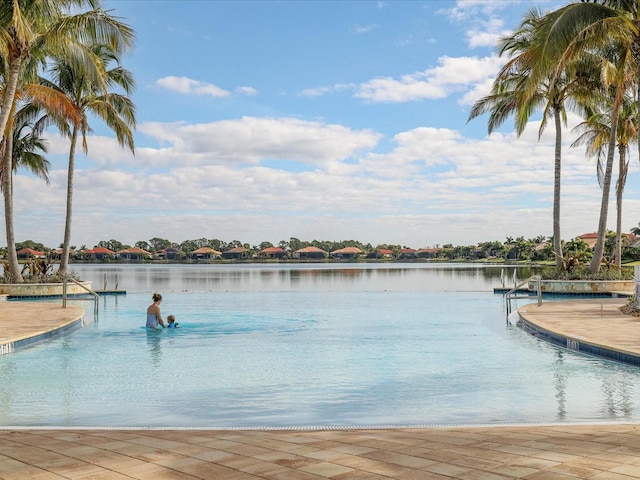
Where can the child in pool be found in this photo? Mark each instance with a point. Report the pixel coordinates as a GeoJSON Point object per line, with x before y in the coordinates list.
{"type": "Point", "coordinates": [171, 322]}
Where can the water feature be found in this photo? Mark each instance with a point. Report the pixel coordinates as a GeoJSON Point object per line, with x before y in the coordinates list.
{"type": "Point", "coordinates": [308, 345]}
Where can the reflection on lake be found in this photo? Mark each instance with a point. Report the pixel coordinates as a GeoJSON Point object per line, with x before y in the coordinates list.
{"type": "Point", "coordinates": [279, 277]}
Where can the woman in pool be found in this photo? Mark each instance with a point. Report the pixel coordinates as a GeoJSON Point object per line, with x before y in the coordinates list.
{"type": "Point", "coordinates": [154, 317]}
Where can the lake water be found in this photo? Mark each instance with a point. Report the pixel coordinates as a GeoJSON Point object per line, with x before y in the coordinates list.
{"type": "Point", "coordinates": [308, 345]}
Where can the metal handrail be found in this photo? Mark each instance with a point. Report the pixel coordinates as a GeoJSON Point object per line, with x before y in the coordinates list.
{"type": "Point", "coordinates": [96, 297]}
{"type": "Point", "coordinates": [511, 293]}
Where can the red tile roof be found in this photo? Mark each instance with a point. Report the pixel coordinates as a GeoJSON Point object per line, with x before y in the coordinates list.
{"type": "Point", "coordinates": [134, 250]}
{"type": "Point", "coordinates": [347, 251]}
{"type": "Point", "coordinates": [237, 250]}
{"type": "Point", "coordinates": [273, 250]}
{"type": "Point", "coordinates": [100, 250]}
{"type": "Point", "coordinates": [29, 251]}
{"type": "Point", "coordinates": [206, 250]}
{"type": "Point", "coordinates": [310, 250]}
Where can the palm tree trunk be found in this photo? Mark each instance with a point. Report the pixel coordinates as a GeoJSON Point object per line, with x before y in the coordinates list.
{"type": "Point", "coordinates": [7, 168]}
{"type": "Point", "coordinates": [557, 239]}
{"type": "Point", "coordinates": [9, 95]}
{"type": "Point", "coordinates": [598, 251]}
{"type": "Point", "coordinates": [7, 189]}
{"type": "Point", "coordinates": [64, 261]}
{"type": "Point", "coordinates": [622, 177]}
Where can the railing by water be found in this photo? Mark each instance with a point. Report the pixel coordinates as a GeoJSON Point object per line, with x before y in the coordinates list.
{"type": "Point", "coordinates": [96, 297]}
{"type": "Point", "coordinates": [513, 293]}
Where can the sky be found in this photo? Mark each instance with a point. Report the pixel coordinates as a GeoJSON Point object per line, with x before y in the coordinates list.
{"type": "Point", "coordinates": [327, 120]}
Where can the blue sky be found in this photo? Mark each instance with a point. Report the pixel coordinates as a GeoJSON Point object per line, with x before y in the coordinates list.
{"type": "Point", "coordinates": [327, 120]}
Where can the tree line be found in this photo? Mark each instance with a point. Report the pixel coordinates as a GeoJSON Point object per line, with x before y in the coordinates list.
{"type": "Point", "coordinates": [539, 248]}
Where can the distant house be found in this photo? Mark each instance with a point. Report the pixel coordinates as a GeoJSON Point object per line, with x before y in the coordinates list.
{"type": "Point", "coordinates": [205, 253]}
{"type": "Point", "coordinates": [427, 252]}
{"type": "Point", "coordinates": [590, 239]}
{"type": "Point", "coordinates": [408, 253]}
{"type": "Point", "coordinates": [98, 253]}
{"type": "Point", "coordinates": [133, 253]}
{"type": "Point", "coordinates": [385, 252]}
{"type": "Point", "coordinates": [310, 253]}
{"type": "Point", "coordinates": [273, 252]}
{"type": "Point", "coordinates": [25, 253]}
{"type": "Point", "coordinates": [236, 253]}
{"type": "Point", "coordinates": [346, 253]}
{"type": "Point", "coordinates": [169, 253]}
{"type": "Point", "coordinates": [57, 253]}
{"type": "Point", "coordinates": [380, 253]}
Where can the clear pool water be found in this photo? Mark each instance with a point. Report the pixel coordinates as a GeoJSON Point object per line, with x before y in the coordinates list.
{"type": "Point", "coordinates": [308, 346]}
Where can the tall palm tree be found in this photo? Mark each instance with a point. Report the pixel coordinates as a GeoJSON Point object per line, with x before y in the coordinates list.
{"type": "Point", "coordinates": [550, 95]}
{"type": "Point", "coordinates": [21, 149]}
{"type": "Point", "coordinates": [49, 27]}
{"type": "Point", "coordinates": [30, 33]}
{"type": "Point", "coordinates": [89, 97]}
{"type": "Point", "coordinates": [15, 150]}
{"type": "Point", "coordinates": [567, 33]}
{"type": "Point", "coordinates": [596, 132]}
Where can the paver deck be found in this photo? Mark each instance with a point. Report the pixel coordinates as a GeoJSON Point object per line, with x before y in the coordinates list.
{"type": "Point", "coordinates": [533, 452]}
{"type": "Point", "coordinates": [28, 322]}
{"type": "Point", "coordinates": [596, 322]}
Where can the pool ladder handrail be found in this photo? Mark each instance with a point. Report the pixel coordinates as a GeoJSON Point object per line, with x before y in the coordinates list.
{"type": "Point", "coordinates": [95, 296]}
{"type": "Point", "coordinates": [512, 294]}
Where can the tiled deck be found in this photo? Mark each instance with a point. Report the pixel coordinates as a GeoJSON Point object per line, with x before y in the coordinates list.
{"type": "Point", "coordinates": [595, 324]}
{"type": "Point", "coordinates": [533, 452]}
{"type": "Point", "coordinates": [22, 323]}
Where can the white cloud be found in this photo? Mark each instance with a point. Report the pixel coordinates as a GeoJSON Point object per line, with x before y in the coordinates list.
{"type": "Point", "coordinates": [360, 29]}
{"type": "Point", "coordinates": [249, 91]}
{"type": "Point", "coordinates": [320, 91]}
{"type": "Point", "coordinates": [250, 140]}
{"type": "Point", "coordinates": [188, 86]}
{"type": "Point", "coordinates": [433, 186]}
{"type": "Point", "coordinates": [451, 75]}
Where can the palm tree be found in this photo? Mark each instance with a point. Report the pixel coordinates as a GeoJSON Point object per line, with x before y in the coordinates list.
{"type": "Point", "coordinates": [22, 149]}
{"type": "Point", "coordinates": [609, 26]}
{"type": "Point", "coordinates": [596, 132]}
{"type": "Point", "coordinates": [30, 33]}
{"type": "Point", "coordinates": [549, 95]}
{"type": "Point", "coordinates": [28, 146]}
{"type": "Point", "coordinates": [89, 97]}
{"type": "Point", "coordinates": [42, 28]}
{"type": "Point", "coordinates": [16, 151]}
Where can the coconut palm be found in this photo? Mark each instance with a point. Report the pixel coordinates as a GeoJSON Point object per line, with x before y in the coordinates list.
{"type": "Point", "coordinates": [29, 146]}
{"type": "Point", "coordinates": [89, 97]}
{"type": "Point", "coordinates": [596, 132]}
{"type": "Point", "coordinates": [565, 34]}
{"type": "Point", "coordinates": [21, 149]}
{"type": "Point", "coordinates": [30, 33]}
{"type": "Point", "coordinates": [17, 149]}
{"type": "Point", "coordinates": [550, 95]}
{"type": "Point", "coordinates": [42, 28]}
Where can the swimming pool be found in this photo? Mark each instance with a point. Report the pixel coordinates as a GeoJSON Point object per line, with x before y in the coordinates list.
{"type": "Point", "coordinates": [281, 346]}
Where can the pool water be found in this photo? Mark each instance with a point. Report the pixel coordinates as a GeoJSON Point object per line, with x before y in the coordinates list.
{"type": "Point", "coordinates": [301, 347]}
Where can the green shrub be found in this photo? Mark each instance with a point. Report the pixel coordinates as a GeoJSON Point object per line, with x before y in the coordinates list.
{"type": "Point", "coordinates": [582, 273]}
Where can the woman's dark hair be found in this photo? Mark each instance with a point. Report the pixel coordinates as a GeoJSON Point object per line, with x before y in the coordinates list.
{"type": "Point", "coordinates": [157, 297]}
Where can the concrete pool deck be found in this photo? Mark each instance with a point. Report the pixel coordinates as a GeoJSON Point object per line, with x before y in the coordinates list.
{"type": "Point", "coordinates": [532, 452]}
